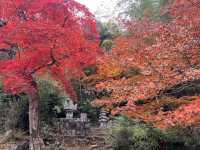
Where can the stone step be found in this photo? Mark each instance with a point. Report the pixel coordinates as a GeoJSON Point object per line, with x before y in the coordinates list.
{"type": "Point", "coordinates": [98, 131]}
{"type": "Point", "coordinates": [4, 147]}
{"type": "Point", "coordinates": [97, 135]}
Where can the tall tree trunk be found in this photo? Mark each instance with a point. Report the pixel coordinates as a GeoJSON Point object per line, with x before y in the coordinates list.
{"type": "Point", "coordinates": [36, 141]}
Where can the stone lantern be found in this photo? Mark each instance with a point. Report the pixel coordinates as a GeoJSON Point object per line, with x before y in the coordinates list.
{"type": "Point", "coordinates": [70, 108]}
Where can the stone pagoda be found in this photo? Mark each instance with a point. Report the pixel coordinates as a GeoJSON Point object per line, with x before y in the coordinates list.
{"type": "Point", "coordinates": [103, 118]}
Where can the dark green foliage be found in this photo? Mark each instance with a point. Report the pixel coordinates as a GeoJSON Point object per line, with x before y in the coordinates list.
{"type": "Point", "coordinates": [123, 141]}
{"type": "Point", "coordinates": [132, 71]}
{"type": "Point", "coordinates": [23, 120]}
{"type": "Point", "coordinates": [13, 111]}
{"type": "Point", "coordinates": [178, 138]}
{"type": "Point", "coordinates": [93, 113]}
{"type": "Point", "coordinates": [170, 106]}
{"type": "Point", "coordinates": [51, 103]}
{"type": "Point", "coordinates": [90, 70]}
{"type": "Point", "coordinates": [108, 32]}
{"type": "Point", "coordinates": [166, 17]}
{"type": "Point", "coordinates": [140, 102]}
{"type": "Point", "coordinates": [103, 93]}
{"type": "Point", "coordinates": [107, 45]}
{"type": "Point", "coordinates": [85, 96]}
{"type": "Point", "coordinates": [49, 133]}
{"type": "Point", "coordinates": [131, 134]}
{"type": "Point", "coordinates": [51, 100]}
{"type": "Point", "coordinates": [14, 108]}
{"type": "Point", "coordinates": [189, 88]}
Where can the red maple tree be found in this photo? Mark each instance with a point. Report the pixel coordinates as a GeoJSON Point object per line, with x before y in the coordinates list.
{"type": "Point", "coordinates": [50, 36]}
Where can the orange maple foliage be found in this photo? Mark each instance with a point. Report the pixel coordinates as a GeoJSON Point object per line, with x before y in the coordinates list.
{"type": "Point", "coordinates": [164, 55]}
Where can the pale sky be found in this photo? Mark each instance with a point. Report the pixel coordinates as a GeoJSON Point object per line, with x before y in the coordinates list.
{"type": "Point", "coordinates": [102, 9]}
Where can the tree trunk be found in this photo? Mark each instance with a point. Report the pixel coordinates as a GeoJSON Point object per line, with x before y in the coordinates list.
{"type": "Point", "coordinates": [36, 141]}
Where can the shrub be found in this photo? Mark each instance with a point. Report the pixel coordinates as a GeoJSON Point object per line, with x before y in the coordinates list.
{"type": "Point", "coordinates": [131, 134]}
{"type": "Point", "coordinates": [107, 45]}
{"type": "Point", "coordinates": [14, 108]}
{"type": "Point", "coordinates": [14, 111]}
{"type": "Point", "coordinates": [84, 98]}
{"type": "Point", "coordinates": [51, 100]}
{"type": "Point", "coordinates": [178, 138]}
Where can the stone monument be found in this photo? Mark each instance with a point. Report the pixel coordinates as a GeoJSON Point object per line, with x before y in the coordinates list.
{"type": "Point", "coordinates": [70, 108]}
{"type": "Point", "coordinates": [71, 125]}
{"type": "Point", "coordinates": [103, 118]}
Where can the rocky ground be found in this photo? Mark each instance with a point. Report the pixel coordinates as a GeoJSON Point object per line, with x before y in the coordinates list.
{"type": "Point", "coordinates": [95, 140]}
